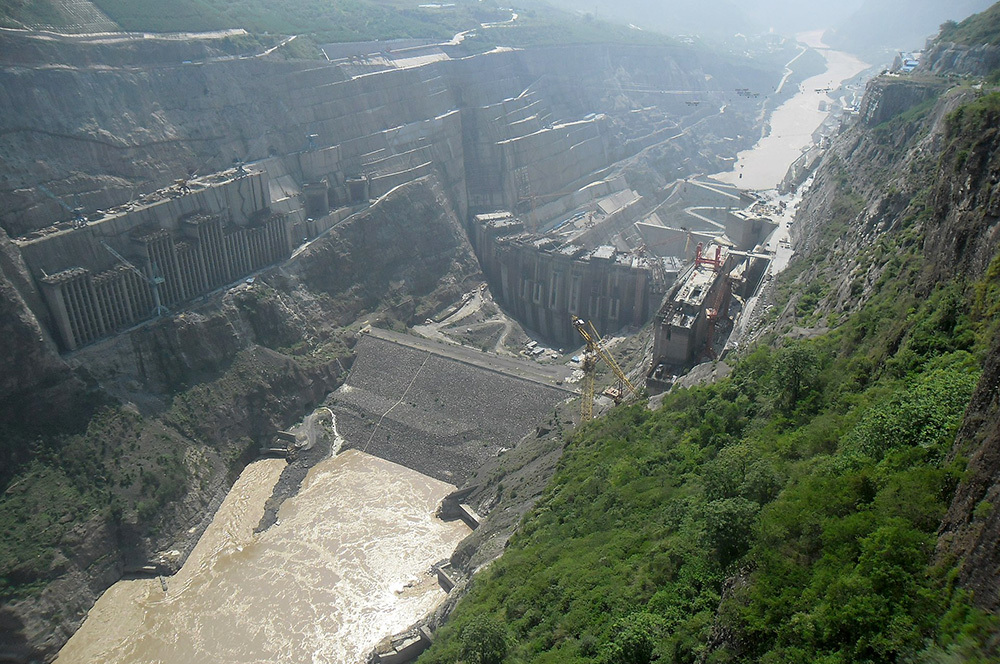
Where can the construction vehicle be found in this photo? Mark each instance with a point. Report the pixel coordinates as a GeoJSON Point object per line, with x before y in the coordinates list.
{"type": "Point", "coordinates": [154, 281]}
{"type": "Point", "coordinates": [597, 350]}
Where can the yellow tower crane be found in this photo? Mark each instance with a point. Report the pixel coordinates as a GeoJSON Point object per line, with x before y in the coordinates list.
{"type": "Point", "coordinates": [596, 350]}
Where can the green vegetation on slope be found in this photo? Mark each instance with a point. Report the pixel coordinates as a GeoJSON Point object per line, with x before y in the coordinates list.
{"type": "Point", "coordinates": [786, 514]}
{"type": "Point", "coordinates": [180, 15]}
{"type": "Point", "coordinates": [829, 543]}
{"type": "Point", "coordinates": [339, 20]}
{"type": "Point", "coordinates": [359, 20]}
{"type": "Point", "coordinates": [981, 28]}
{"type": "Point", "coordinates": [122, 468]}
{"type": "Point", "coordinates": [127, 472]}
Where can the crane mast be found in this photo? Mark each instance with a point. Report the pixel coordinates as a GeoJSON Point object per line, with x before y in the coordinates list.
{"type": "Point", "coordinates": [79, 220]}
{"type": "Point", "coordinates": [596, 350]}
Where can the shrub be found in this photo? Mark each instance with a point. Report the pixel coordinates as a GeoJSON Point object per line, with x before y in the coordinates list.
{"type": "Point", "coordinates": [634, 639]}
{"type": "Point", "coordinates": [484, 641]}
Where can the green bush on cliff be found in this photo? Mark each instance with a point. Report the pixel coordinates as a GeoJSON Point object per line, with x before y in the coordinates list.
{"type": "Point", "coordinates": [788, 513]}
{"type": "Point", "coordinates": [817, 495]}
{"type": "Point", "coordinates": [37, 511]}
{"type": "Point", "coordinates": [484, 640]}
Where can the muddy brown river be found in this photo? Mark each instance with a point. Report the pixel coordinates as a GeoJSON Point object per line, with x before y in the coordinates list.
{"type": "Point", "coordinates": [346, 564]}
{"type": "Point", "coordinates": [792, 124]}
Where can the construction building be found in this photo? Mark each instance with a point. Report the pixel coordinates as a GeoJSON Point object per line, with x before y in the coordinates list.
{"type": "Point", "coordinates": [176, 245]}
{"type": "Point", "coordinates": [695, 313]}
{"type": "Point", "coordinates": [682, 323]}
{"type": "Point", "coordinates": [544, 283]}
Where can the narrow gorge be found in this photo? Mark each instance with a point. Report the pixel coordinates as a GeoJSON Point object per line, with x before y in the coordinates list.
{"type": "Point", "coordinates": [287, 322]}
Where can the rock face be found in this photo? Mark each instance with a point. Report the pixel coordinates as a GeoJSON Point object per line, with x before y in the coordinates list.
{"type": "Point", "coordinates": [887, 98]}
{"type": "Point", "coordinates": [971, 528]}
{"type": "Point", "coordinates": [934, 171]}
{"type": "Point", "coordinates": [965, 231]}
{"type": "Point", "coordinates": [38, 390]}
{"type": "Point", "coordinates": [408, 247]}
{"type": "Point", "coordinates": [950, 58]}
{"type": "Point", "coordinates": [886, 165]}
{"type": "Point", "coordinates": [111, 120]}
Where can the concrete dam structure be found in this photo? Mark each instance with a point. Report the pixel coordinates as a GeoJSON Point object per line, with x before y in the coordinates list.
{"type": "Point", "coordinates": [607, 254]}
{"type": "Point", "coordinates": [544, 284]}
{"type": "Point", "coordinates": [700, 209]}
{"type": "Point", "coordinates": [441, 409]}
{"type": "Point", "coordinates": [131, 264]}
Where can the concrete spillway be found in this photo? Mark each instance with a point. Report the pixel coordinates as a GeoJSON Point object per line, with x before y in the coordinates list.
{"type": "Point", "coordinates": [439, 409]}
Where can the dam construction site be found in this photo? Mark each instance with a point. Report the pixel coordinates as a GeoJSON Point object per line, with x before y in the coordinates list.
{"type": "Point", "coordinates": [302, 338]}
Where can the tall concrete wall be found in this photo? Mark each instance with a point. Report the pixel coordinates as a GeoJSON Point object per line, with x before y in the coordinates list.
{"type": "Point", "coordinates": [178, 245]}
{"type": "Point", "coordinates": [545, 286]}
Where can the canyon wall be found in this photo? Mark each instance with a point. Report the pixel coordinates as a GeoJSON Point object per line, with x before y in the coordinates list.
{"type": "Point", "coordinates": [924, 169]}
{"type": "Point", "coordinates": [372, 167]}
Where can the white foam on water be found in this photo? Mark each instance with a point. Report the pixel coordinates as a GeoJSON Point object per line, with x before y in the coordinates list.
{"type": "Point", "coordinates": [346, 565]}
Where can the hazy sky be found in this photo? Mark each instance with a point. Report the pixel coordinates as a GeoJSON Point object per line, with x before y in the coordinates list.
{"type": "Point", "coordinates": [865, 24]}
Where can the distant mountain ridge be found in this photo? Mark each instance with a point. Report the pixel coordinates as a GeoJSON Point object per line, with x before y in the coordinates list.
{"type": "Point", "coordinates": [884, 25]}
{"type": "Point", "coordinates": [861, 26]}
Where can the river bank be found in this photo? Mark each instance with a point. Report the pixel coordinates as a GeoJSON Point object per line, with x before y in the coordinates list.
{"type": "Point", "coordinates": [794, 123]}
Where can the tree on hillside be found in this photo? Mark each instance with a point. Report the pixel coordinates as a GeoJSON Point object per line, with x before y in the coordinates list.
{"type": "Point", "coordinates": [634, 639]}
{"type": "Point", "coordinates": [484, 641]}
{"type": "Point", "coordinates": [794, 372]}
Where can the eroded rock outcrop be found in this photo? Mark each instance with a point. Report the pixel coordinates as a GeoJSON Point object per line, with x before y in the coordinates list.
{"type": "Point", "coordinates": [961, 59]}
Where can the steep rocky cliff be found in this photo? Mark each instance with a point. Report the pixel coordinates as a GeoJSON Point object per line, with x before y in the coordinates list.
{"type": "Point", "coordinates": [960, 59]}
{"type": "Point", "coordinates": [127, 444]}
{"type": "Point", "coordinates": [911, 193]}
{"type": "Point", "coordinates": [971, 528]}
